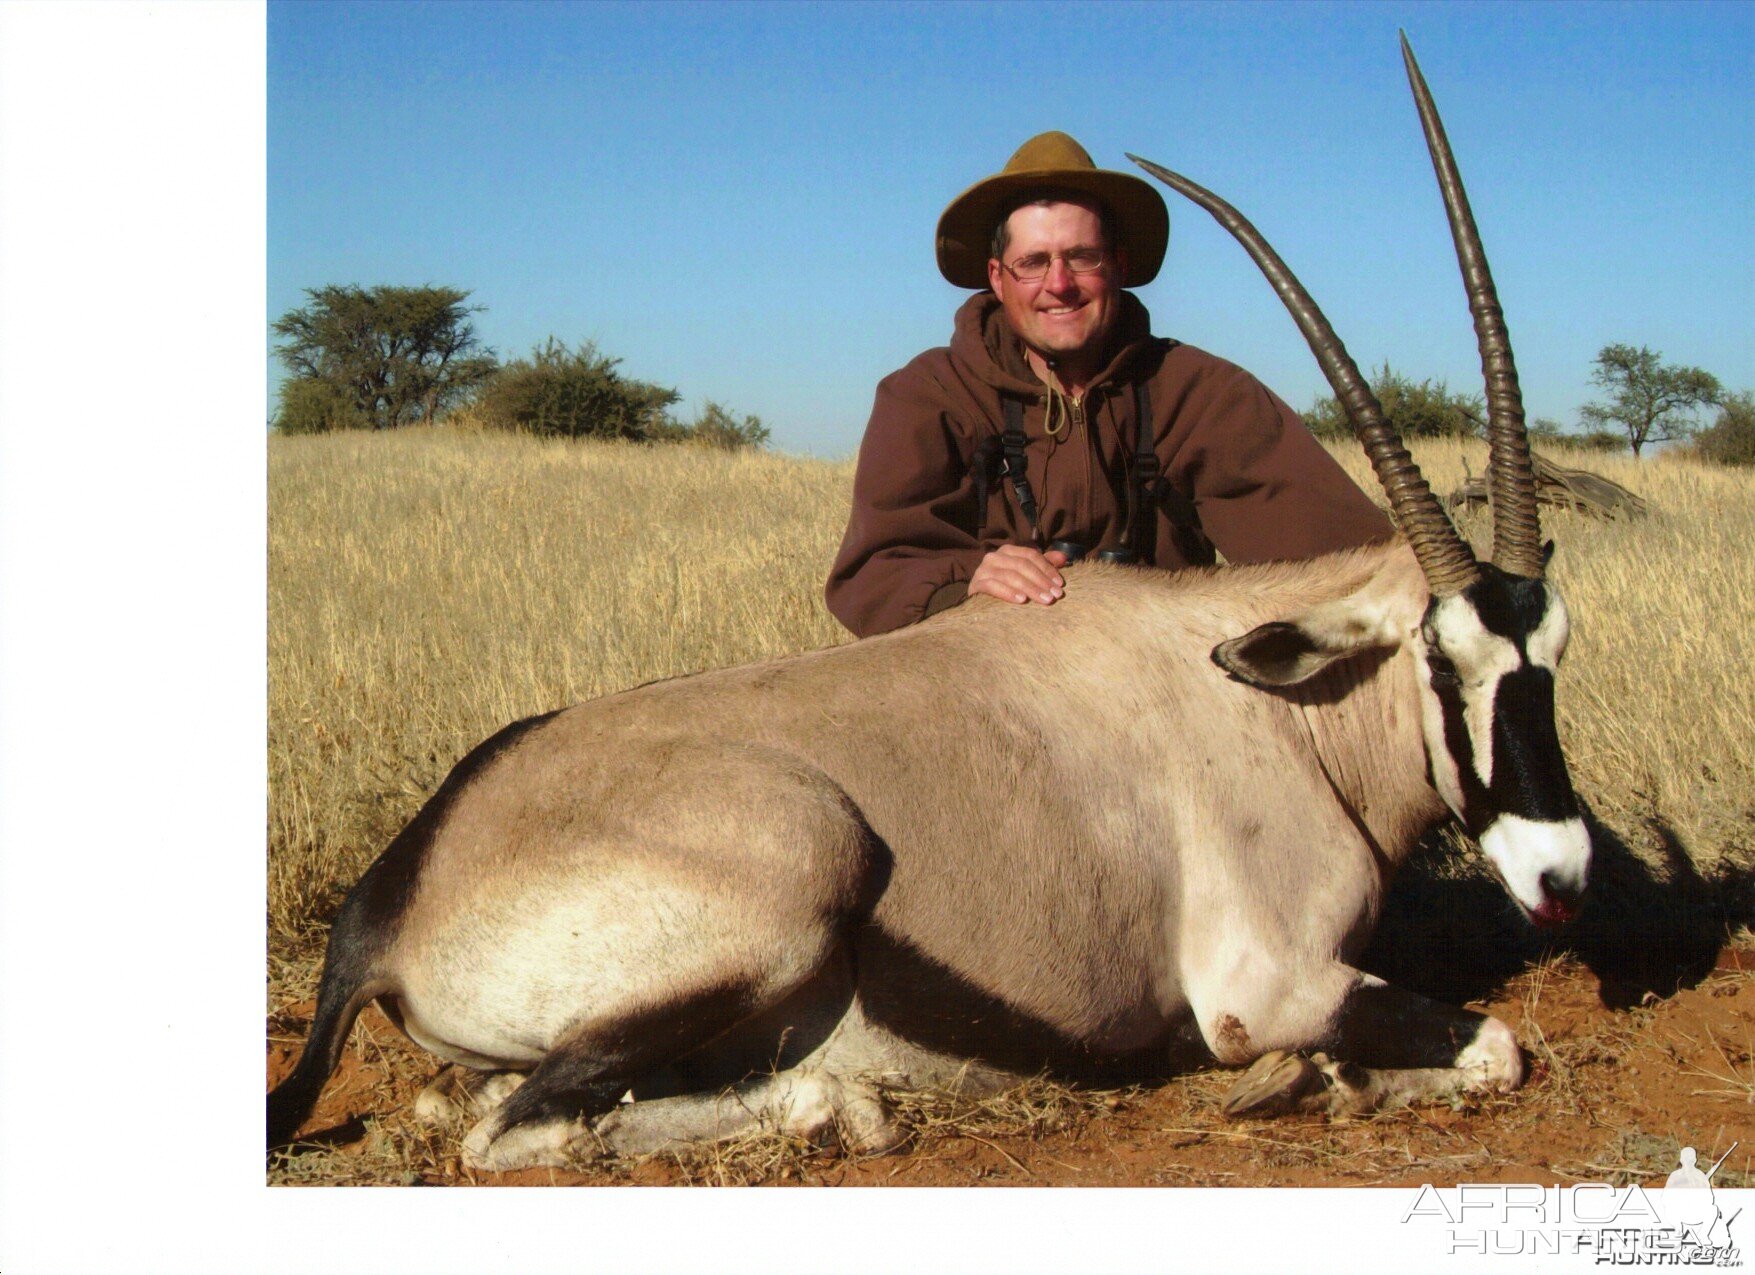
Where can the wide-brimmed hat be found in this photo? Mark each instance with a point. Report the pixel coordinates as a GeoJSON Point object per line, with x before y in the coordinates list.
{"type": "Point", "coordinates": [1052, 161]}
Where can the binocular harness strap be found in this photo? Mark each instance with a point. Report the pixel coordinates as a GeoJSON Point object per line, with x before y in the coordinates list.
{"type": "Point", "coordinates": [1016, 470]}
{"type": "Point", "coordinates": [1142, 482]}
{"type": "Point", "coordinates": [1144, 475]}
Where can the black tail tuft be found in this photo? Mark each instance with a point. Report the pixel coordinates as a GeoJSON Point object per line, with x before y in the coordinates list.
{"type": "Point", "coordinates": [291, 1102]}
{"type": "Point", "coordinates": [349, 984]}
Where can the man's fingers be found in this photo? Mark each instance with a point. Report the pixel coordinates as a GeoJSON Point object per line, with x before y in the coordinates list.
{"type": "Point", "coordinates": [1009, 590]}
{"type": "Point", "coordinates": [1024, 558]}
{"type": "Point", "coordinates": [1017, 573]}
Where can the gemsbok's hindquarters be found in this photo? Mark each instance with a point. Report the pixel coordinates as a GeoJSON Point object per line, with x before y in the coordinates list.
{"type": "Point", "coordinates": [1158, 816]}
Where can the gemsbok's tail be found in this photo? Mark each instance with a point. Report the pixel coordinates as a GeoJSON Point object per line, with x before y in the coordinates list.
{"type": "Point", "coordinates": [349, 985]}
{"type": "Point", "coordinates": [355, 964]}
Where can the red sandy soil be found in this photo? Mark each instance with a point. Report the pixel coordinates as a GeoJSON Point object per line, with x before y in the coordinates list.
{"type": "Point", "coordinates": [1611, 1095]}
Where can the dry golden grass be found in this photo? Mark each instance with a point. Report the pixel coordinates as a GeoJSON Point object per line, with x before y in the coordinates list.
{"type": "Point", "coordinates": [428, 586]}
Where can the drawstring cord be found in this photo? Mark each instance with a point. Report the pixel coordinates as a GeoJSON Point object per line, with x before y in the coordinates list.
{"type": "Point", "coordinates": [1056, 402]}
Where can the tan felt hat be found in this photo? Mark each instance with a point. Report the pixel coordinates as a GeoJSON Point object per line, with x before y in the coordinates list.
{"type": "Point", "coordinates": [1052, 161]}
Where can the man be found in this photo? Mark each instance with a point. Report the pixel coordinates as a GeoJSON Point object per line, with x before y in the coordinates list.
{"type": "Point", "coordinates": [1050, 373]}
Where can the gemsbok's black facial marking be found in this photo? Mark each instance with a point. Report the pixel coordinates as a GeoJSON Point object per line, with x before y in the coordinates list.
{"type": "Point", "coordinates": [1525, 769]}
{"type": "Point", "coordinates": [1511, 607]}
{"type": "Point", "coordinates": [1477, 811]}
{"type": "Point", "coordinates": [1529, 770]}
{"type": "Point", "coordinates": [1529, 776]}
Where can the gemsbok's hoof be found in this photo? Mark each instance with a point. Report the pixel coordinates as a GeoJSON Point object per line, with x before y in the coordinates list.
{"type": "Point", "coordinates": [457, 1095]}
{"type": "Point", "coordinates": [553, 1144]}
{"type": "Point", "coordinates": [867, 1126]}
{"type": "Point", "coordinates": [1274, 1085]}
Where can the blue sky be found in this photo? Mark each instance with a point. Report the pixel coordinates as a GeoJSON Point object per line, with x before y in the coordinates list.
{"type": "Point", "coordinates": [739, 200]}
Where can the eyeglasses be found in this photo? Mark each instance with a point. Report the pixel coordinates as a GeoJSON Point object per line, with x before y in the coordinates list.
{"type": "Point", "coordinates": [1034, 268]}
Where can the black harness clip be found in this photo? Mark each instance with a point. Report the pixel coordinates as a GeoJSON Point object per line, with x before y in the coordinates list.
{"type": "Point", "coordinates": [1017, 469]}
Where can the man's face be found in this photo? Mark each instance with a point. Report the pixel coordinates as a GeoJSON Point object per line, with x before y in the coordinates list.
{"type": "Point", "coordinates": [1063, 316]}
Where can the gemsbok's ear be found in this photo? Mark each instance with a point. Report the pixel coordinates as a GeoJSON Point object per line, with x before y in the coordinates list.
{"type": "Point", "coordinates": [1285, 653]}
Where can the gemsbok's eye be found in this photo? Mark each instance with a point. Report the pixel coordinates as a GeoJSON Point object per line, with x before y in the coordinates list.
{"type": "Point", "coordinates": [1444, 672]}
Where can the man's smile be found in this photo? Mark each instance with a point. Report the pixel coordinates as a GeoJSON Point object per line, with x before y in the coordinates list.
{"type": "Point", "coordinates": [1059, 313]}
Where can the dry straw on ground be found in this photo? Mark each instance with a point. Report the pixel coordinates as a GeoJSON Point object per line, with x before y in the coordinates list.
{"type": "Point", "coordinates": [428, 586]}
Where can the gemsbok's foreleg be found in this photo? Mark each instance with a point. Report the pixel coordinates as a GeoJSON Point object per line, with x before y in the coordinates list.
{"type": "Point", "coordinates": [1383, 1047]}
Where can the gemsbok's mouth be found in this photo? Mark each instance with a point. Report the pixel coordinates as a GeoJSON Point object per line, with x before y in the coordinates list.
{"type": "Point", "coordinates": [1542, 864]}
{"type": "Point", "coordinates": [1553, 912]}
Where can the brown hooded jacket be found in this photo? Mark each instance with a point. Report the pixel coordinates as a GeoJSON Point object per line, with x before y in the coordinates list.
{"type": "Point", "coordinates": [1241, 473]}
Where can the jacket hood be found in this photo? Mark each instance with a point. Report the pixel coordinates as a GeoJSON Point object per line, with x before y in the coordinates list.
{"type": "Point", "coordinates": [983, 342]}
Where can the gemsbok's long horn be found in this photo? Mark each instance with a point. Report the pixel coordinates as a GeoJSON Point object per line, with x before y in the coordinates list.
{"type": "Point", "coordinates": [1444, 555]}
{"type": "Point", "coordinates": [1517, 534]}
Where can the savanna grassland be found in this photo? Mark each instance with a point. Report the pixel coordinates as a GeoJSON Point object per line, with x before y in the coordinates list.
{"type": "Point", "coordinates": [427, 586]}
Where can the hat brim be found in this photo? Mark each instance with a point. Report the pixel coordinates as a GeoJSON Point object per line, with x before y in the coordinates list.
{"type": "Point", "coordinates": [965, 231]}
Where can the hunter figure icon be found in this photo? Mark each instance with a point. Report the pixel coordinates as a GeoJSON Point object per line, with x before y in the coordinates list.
{"type": "Point", "coordinates": [1689, 1202]}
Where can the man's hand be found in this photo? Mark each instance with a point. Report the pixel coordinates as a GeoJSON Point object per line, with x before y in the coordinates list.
{"type": "Point", "coordinates": [1019, 573]}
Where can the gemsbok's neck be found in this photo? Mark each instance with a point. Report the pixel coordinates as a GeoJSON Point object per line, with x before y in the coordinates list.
{"type": "Point", "coordinates": [1362, 718]}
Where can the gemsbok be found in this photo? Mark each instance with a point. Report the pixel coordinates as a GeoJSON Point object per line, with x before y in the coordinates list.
{"type": "Point", "coordinates": [1149, 826]}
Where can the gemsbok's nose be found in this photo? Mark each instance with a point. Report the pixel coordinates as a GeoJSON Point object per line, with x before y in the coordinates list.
{"type": "Point", "coordinates": [1561, 895]}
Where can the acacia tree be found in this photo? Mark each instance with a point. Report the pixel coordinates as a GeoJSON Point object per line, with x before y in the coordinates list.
{"type": "Point", "coordinates": [1651, 401]}
{"type": "Point", "coordinates": [381, 356]}
{"type": "Point", "coordinates": [573, 392]}
{"type": "Point", "coordinates": [1417, 409]}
